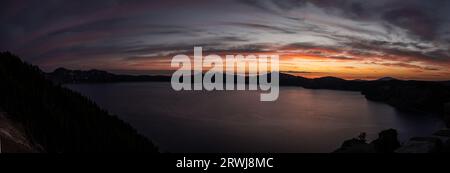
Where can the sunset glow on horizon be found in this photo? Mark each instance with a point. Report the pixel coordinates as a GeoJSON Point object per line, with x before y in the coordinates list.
{"type": "Point", "coordinates": [350, 39]}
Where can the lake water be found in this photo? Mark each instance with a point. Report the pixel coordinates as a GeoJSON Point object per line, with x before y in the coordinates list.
{"type": "Point", "coordinates": [301, 120]}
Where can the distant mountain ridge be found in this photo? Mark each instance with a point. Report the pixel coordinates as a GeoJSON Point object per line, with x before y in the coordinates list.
{"type": "Point", "coordinates": [386, 79]}
{"type": "Point", "coordinates": [66, 76]}
{"type": "Point", "coordinates": [62, 76]}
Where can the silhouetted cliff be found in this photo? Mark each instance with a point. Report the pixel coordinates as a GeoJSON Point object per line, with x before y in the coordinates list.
{"type": "Point", "coordinates": [423, 96]}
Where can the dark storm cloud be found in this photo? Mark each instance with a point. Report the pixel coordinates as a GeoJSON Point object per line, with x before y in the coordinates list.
{"type": "Point", "coordinates": [426, 24]}
{"type": "Point", "coordinates": [401, 51]}
{"type": "Point", "coordinates": [188, 49]}
{"type": "Point", "coordinates": [422, 18]}
{"type": "Point", "coordinates": [309, 45]}
{"type": "Point", "coordinates": [263, 27]}
{"type": "Point", "coordinates": [415, 20]}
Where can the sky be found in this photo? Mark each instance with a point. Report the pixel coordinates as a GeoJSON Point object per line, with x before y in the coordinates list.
{"type": "Point", "coordinates": [351, 39]}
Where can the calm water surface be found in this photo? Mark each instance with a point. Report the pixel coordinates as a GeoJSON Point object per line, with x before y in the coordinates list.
{"type": "Point", "coordinates": [301, 120]}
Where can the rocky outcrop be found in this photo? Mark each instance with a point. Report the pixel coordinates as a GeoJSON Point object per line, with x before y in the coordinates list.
{"type": "Point", "coordinates": [438, 142]}
{"type": "Point", "coordinates": [355, 146]}
{"type": "Point", "coordinates": [386, 142]}
{"type": "Point", "coordinates": [444, 136]}
{"type": "Point", "coordinates": [421, 145]}
{"type": "Point", "coordinates": [447, 114]}
{"type": "Point", "coordinates": [13, 139]}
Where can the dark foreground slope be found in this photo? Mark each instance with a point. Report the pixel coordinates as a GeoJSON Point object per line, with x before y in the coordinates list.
{"type": "Point", "coordinates": [59, 119]}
